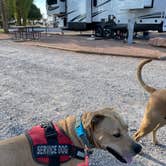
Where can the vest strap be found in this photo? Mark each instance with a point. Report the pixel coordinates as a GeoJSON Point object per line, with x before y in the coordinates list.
{"type": "Point", "coordinates": [51, 136]}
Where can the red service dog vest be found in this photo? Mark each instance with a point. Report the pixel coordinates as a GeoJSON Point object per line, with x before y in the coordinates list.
{"type": "Point", "coordinates": [48, 141]}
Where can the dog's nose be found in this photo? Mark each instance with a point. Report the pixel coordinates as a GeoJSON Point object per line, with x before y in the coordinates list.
{"type": "Point", "coordinates": [137, 148]}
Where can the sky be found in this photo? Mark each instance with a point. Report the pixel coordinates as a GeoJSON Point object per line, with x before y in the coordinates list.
{"type": "Point", "coordinates": [41, 4]}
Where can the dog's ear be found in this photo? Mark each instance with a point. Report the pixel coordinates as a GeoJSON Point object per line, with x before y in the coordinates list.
{"type": "Point", "coordinates": [92, 119]}
{"type": "Point", "coordinates": [97, 119]}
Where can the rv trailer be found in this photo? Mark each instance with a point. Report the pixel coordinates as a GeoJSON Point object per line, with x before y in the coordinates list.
{"type": "Point", "coordinates": [108, 16]}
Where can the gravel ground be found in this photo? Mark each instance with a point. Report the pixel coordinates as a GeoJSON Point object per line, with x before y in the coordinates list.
{"type": "Point", "coordinates": [38, 84]}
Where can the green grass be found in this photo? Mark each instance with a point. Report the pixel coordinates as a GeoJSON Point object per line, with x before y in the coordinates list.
{"type": "Point", "coordinates": [1, 31]}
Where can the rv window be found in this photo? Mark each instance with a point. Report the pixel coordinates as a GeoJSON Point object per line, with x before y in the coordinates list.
{"type": "Point", "coordinates": [51, 2]}
{"type": "Point", "coordinates": [94, 2]}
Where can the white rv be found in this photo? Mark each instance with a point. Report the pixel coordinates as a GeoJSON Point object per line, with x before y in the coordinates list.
{"type": "Point", "coordinates": [107, 16]}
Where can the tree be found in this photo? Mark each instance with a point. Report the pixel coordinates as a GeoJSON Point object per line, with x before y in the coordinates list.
{"type": "Point", "coordinates": [26, 5]}
{"type": "Point", "coordinates": [4, 14]}
{"type": "Point", "coordinates": [22, 9]}
{"type": "Point", "coordinates": [34, 13]}
{"type": "Point", "coordinates": [11, 9]}
{"type": "Point", "coordinates": [18, 11]}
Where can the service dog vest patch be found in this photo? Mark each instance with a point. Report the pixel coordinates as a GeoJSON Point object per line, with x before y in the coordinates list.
{"type": "Point", "coordinates": [49, 144]}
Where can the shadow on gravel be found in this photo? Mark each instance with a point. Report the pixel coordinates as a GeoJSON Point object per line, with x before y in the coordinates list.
{"type": "Point", "coordinates": [147, 156]}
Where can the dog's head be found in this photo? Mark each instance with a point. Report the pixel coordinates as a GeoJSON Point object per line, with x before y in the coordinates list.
{"type": "Point", "coordinates": [108, 131]}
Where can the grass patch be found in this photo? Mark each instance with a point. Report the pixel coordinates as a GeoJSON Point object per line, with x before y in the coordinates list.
{"type": "Point", "coordinates": [1, 31]}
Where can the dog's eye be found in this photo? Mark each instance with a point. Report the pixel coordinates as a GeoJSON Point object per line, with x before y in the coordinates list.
{"type": "Point", "coordinates": [117, 135]}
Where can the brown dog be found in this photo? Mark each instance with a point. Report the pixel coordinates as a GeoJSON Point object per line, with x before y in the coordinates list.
{"type": "Point", "coordinates": [155, 113]}
{"type": "Point", "coordinates": [105, 129]}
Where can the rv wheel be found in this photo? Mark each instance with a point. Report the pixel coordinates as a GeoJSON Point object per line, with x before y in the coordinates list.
{"type": "Point", "coordinates": [160, 29]}
{"type": "Point", "coordinates": [99, 31]}
{"type": "Point", "coordinates": [108, 32]}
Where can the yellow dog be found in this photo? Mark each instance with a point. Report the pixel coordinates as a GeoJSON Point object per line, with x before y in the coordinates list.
{"type": "Point", "coordinates": [104, 128]}
{"type": "Point", "coordinates": [155, 113]}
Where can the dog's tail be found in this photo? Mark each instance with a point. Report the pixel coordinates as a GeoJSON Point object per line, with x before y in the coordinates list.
{"type": "Point", "coordinates": [139, 76]}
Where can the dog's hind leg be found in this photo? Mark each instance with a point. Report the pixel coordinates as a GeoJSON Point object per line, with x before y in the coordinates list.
{"type": "Point", "coordinates": [155, 141]}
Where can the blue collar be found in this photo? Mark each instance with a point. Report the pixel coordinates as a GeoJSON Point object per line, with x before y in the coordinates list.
{"type": "Point", "coordinates": [81, 133]}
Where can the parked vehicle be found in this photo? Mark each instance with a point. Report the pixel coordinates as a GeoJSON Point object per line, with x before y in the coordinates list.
{"type": "Point", "coordinates": [108, 17]}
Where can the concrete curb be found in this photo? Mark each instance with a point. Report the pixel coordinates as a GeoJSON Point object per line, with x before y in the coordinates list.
{"type": "Point", "coordinates": [98, 53]}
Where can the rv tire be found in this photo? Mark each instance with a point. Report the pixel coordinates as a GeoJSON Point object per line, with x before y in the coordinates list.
{"type": "Point", "coordinates": [160, 29]}
{"type": "Point", "coordinates": [109, 32]}
{"type": "Point", "coordinates": [99, 32]}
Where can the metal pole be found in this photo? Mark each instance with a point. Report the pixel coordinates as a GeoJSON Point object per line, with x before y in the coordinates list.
{"type": "Point", "coordinates": [131, 23]}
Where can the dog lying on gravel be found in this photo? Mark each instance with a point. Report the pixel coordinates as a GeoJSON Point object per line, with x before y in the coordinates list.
{"type": "Point", "coordinates": [104, 129]}
{"type": "Point", "coordinates": [155, 113]}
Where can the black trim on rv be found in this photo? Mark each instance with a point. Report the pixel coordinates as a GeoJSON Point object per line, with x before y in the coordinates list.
{"type": "Point", "coordinates": [152, 15]}
{"type": "Point", "coordinates": [80, 18]}
{"type": "Point", "coordinates": [75, 18]}
{"type": "Point", "coordinates": [83, 17]}
{"type": "Point", "coordinates": [50, 8]}
{"type": "Point", "coordinates": [66, 14]}
{"type": "Point", "coordinates": [103, 3]}
{"type": "Point", "coordinates": [97, 13]}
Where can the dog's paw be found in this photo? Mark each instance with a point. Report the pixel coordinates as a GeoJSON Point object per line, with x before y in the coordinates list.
{"type": "Point", "coordinates": [156, 142]}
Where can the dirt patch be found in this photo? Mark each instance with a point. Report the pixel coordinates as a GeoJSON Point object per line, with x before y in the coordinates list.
{"type": "Point", "coordinates": [4, 36]}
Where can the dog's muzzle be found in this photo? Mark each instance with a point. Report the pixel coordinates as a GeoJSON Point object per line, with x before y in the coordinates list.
{"type": "Point", "coordinates": [116, 154]}
{"type": "Point", "coordinates": [136, 149]}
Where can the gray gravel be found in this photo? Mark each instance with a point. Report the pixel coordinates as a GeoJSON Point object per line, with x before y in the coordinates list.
{"type": "Point", "coordinates": [38, 84]}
